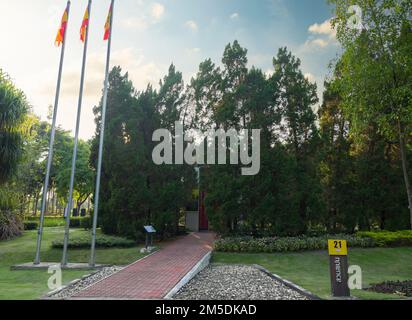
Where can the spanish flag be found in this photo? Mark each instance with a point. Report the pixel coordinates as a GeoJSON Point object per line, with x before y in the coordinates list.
{"type": "Point", "coordinates": [108, 24]}
{"type": "Point", "coordinates": [62, 30]}
{"type": "Point", "coordinates": [85, 25]}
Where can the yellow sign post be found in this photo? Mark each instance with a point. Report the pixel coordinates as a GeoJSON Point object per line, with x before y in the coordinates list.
{"type": "Point", "coordinates": [338, 253]}
{"type": "Point", "coordinates": [338, 247]}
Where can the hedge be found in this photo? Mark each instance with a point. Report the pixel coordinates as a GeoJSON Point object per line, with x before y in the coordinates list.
{"type": "Point", "coordinates": [30, 225]}
{"type": "Point", "coordinates": [48, 221]}
{"type": "Point", "coordinates": [304, 243]}
{"type": "Point", "coordinates": [287, 244]}
{"type": "Point", "coordinates": [75, 222]}
{"type": "Point", "coordinates": [102, 241]}
{"type": "Point", "coordinates": [389, 239]}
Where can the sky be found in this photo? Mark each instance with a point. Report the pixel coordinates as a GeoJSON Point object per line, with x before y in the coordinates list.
{"type": "Point", "coordinates": [147, 37]}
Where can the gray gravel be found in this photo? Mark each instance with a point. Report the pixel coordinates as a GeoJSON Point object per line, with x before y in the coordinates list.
{"type": "Point", "coordinates": [86, 281]}
{"type": "Point", "coordinates": [233, 282]}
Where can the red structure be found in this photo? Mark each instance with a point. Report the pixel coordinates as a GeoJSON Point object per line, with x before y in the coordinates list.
{"type": "Point", "coordinates": [203, 220]}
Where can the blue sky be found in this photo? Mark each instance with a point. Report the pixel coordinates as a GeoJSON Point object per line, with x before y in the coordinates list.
{"type": "Point", "coordinates": [148, 36]}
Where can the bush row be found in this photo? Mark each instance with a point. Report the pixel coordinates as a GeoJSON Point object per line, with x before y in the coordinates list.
{"type": "Point", "coordinates": [287, 244]}
{"type": "Point", "coordinates": [389, 239]}
{"type": "Point", "coordinates": [48, 221]}
{"type": "Point", "coordinates": [31, 223]}
{"type": "Point", "coordinates": [305, 243]}
{"type": "Point", "coordinates": [102, 241]}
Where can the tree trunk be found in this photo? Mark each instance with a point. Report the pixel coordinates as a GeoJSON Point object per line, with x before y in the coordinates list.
{"type": "Point", "coordinates": [53, 202]}
{"type": "Point", "coordinates": [405, 168]}
{"type": "Point", "coordinates": [36, 202]}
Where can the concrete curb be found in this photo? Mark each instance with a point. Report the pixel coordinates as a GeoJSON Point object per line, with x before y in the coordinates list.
{"type": "Point", "coordinates": [202, 264]}
{"type": "Point", "coordinates": [289, 284]}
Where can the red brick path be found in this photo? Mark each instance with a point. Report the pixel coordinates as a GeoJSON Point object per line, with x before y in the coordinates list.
{"type": "Point", "coordinates": [153, 277]}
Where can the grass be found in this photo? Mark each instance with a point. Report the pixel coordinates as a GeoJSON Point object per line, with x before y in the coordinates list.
{"type": "Point", "coordinates": [28, 284]}
{"type": "Point", "coordinates": [311, 269]}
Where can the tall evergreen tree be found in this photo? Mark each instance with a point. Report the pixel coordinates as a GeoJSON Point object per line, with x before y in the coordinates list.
{"type": "Point", "coordinates": [296, 98]}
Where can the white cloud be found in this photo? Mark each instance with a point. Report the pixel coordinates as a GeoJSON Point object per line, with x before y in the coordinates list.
{"type": "Point", "coordinates": [316, 43]}
{"type": "Point", "coordinates": [234, 16]}
{"type": "Point", "coordinates": [157, 11]}
{"type": "Point", "coordinates": [325, 28]}
{"type": "Point", "coordinates": [192, 25]}
{"type": "Point", "coordinates": [321, 36]}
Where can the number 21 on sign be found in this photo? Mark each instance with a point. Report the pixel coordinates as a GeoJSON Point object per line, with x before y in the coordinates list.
{"type": "Point", "coordinates": [338, 248]}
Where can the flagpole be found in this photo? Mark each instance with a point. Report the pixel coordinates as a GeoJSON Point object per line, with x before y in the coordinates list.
{"type": "Point", "coordinates": [76, 140]}
{"type": "Point", "coordinates": [100, 157]}
{"type": "Point", "coordinates": [51, 144]}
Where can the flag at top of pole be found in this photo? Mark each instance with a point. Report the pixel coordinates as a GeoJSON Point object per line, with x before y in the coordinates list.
{"type": "Point", "coordinates": [62, 30]}
{"type": "Point", "coordinates": [85, 25]}
{"type": "Point", "coordinates": [107, 26]}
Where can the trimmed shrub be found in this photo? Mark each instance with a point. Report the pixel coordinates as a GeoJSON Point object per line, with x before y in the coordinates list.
{"type": "Point", "coordinates": [287, 244]}
{"type": "Point", "coordinates": [75, 222]}
{"type": "Point", "coordinates": [388, 238]}
{"type": "Point", "coordinates": [102, 241]}
{"type": "Point", "coordinates": [30, 225]}
{"type": "Point", "coordinates": [86, 222]}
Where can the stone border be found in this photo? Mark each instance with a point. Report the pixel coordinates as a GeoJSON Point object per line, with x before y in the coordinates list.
{"type": "Point", "coordinates": [48, 296]}
{"type": "Point", "coordinates": [288, 283]}
{"type": "Point", "coordinates": [202, 264]}
{"type": "Point", "coordinates": [47, 265]}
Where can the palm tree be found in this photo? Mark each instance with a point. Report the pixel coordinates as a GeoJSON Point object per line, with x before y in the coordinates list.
{"type": "Point", "coordinates": [13, 111]}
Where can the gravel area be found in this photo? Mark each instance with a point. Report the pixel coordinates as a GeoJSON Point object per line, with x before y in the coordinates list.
{"type": "Point", "coordinates": [85, 282]}
{"type": "Point", "coordinates": [233, 282]}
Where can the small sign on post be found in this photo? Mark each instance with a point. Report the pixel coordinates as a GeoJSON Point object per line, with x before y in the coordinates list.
{"type": "Point", "coordinates": [150, 231]}
{"type": "Point", "coordinates": [338, 257]}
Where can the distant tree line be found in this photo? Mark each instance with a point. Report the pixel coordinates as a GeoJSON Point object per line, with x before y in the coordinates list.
{"type": "Point", "coordinates": [340, 167]}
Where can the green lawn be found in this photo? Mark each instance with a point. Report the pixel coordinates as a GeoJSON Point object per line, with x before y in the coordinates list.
{"type": "Point", "coordinates": [33, 284]}
{"type": "Point", "coordinates": [311, 269]}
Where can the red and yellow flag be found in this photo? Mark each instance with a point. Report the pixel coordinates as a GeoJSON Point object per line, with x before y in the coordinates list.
{"type": "Point", "coordinates": [85, 25]}
{"type": "Point", "coordinates": [62, 30]}
{"type": "Point", "coordinates": [107, 24]}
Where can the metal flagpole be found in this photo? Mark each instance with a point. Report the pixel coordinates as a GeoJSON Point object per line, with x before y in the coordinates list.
{"type": "Point", "coordinates": [100, 157]}
{"type": "Point", "coordinates": [51, 145]}
{"type": "Point", "coordinates": [76, 140]}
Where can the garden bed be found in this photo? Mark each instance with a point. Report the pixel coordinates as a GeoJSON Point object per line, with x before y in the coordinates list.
{"type": "Point", "coordinates": [304, 243]}
{"type": "Point", "coordinates": [403, 288]}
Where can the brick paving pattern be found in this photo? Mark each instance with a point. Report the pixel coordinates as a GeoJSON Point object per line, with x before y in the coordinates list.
{"type": "Point", "coordinates": [154, 276]}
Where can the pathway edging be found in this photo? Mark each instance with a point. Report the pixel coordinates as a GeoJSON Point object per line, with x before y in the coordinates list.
{"type": "Point", "coordinates": [288, 283]}
{"type": "Point", "coordinates": [201, 265]}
